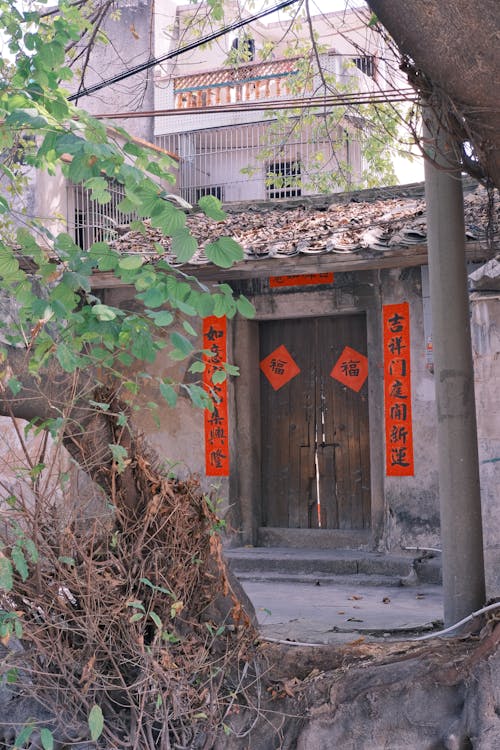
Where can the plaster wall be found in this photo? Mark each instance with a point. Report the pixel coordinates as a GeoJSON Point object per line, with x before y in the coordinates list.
{"type": "Point", "coordinates": [175, 433]}
{"type": "Point", "coordinates": [485, 322]}
{"type": "Point", "coordinates": [412, 503]}
{"type": "Point", "coordinates": [51, 201]}
{"type": "Point", "coordinates": [342, 31]}
{"type": "Point", "coordinates": [405, 509]}
{"type": "Point", "coordinates": [130, 35]}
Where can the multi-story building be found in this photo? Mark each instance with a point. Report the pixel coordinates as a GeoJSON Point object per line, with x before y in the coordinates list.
{"type": "Point", "coordinates": [239, 113]}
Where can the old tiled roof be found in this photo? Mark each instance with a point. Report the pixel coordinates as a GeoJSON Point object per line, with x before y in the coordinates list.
{"type": "Point", "coordinates": [348, 225]}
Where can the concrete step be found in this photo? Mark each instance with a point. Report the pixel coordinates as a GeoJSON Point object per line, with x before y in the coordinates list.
{"type": "Point", "coordinates": [320, 579]}
{"type": "Point", "coordinates": [329, 566]}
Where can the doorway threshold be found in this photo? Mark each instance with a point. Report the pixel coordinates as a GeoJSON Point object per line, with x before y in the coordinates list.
{"type": "Point", "coordinates": [315, 538]}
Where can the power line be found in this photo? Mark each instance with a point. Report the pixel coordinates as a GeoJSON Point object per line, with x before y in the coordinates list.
{"type": "Point", "coordinates": [369, 97]}
{"type": "Point", "coordinates": [179, 51]}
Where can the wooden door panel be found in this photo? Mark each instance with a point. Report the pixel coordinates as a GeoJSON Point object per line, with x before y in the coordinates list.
{"type": "Point", "coordinates": [314, 412]}
{"type": "Point", "coordinates": [287, 425]}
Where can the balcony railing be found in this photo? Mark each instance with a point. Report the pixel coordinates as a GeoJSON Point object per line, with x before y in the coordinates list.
{"type": "Point", "coordinates": [250, 82]}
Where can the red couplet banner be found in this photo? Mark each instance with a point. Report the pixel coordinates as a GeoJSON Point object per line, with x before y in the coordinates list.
{"type": "Point", "coordinates": [301, 279]}
{"type": "Point", "coordinates": [216, 421]}
{"type": "Point", "coordinates": [397, 390]}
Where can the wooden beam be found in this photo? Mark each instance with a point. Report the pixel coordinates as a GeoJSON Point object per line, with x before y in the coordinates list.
{"type": "Point", "coordinates": [363, 260]}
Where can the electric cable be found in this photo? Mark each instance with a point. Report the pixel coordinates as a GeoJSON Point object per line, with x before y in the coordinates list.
{"type": "Point", "coordinates": [382, 97]}
{"type": "Point", "coordinates": [179, 51]}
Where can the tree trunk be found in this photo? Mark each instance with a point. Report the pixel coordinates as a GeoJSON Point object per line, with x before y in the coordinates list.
{"type": "Point", "coordinates": [88, 430]}
{"type": "Point", "coordinates": [440, 695]}
{"type": "Point", "coordinates": [454, 44]}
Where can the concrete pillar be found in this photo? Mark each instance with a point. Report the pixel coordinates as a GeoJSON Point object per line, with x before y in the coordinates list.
{"type": "Point", "coordinates": [459, 490]}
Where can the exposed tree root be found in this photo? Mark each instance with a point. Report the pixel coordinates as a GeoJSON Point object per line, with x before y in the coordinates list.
{"type": "Point", "coordinates": [134, 612]}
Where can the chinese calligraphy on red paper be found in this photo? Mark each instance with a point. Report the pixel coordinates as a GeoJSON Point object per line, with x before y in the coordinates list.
{"type": "Point", "coordinates": [302, 279]}
{"type": "Point", "coordinates": [351, 369]}
{"type": "Point", "coordinates": [279, 367]}
{"type": "Point", "coordinates": [216, 421]}
{"type": "Point", "coordinates": [397, 390]}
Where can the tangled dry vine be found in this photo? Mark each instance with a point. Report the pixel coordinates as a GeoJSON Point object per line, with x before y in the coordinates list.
{"type": "Point", "coordinates": [133, 612]}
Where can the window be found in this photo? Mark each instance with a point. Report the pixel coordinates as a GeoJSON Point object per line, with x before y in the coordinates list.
{"type": "Point", "coordinates": [366, 64]}
{"type": "Point", "coordinates": [96, 222]}
{"type": "Point", "coordinates": [283, 180]}
{"type": "Point", "coordinates": [216, 190]}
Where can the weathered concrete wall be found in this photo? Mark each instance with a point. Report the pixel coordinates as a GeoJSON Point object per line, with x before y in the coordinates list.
{"type": "Point", "coordinates": [130, 34]}
{"type": "Point", "coordinates": [405, 509]}
{"type": "Point", "coordinates": [176, 433]}
{"type": "Point", "coordinates": [485, 310]}
{"type": "Point", "coordinates": [412, 503]}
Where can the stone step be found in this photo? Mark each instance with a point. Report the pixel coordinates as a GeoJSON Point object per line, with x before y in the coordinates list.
{"type": "Point", "coordinates": [356, 566]}
{"type": "Point", "coordinates": [319, 579]}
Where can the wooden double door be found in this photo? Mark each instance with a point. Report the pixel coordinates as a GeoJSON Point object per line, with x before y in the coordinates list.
{"type": "Point", "coordinates": [315, 432]}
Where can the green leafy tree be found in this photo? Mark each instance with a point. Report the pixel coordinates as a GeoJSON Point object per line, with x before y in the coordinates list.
{"type": "Point", "coordinates": [64, 367]}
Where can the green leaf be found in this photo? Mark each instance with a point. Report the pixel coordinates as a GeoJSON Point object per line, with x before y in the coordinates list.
{"type": "Point", "coordinates": [28, 117]}
{"type": "Point", "coordinates": [168, 218]}
{"type": "Point", "coordinates": [219, 376]}
{"type": "Point", "coordinates": [130, 262]}
{"type": "Point", "coordinates": [106, 259]}
{"type": "Point", "coordinates": [184, 245]}
{"type": "Point", "coordinates": [162, 589]}
{"type": "Point", "coordinates": [14, 386]}
{"type": "Point", "coordinates": [224, 252]}
{"type": "Point", "coordinates": [197, 367]}
{"type": "Point", "coordinates": [199, 396]}
{"type": "Point", "coordinates": [30, 549]}
{"type": "Point", "coordinates": [103, 312]}
{"type": "Point", "coordinates": [47, 739]}
{"type": "Point", "coordinates": [155, 296]}
{"type": "Point", "coordinates": [119, 454]}
{"type": "Point", "coordinates": [19, 561]}
{"type": "Point", "coordinates": [9, 267]}
{"type": "Point", "coordinates": [96, 722]}
{"type": "Point", "coordinates": [68, 360]}
{"type": "Point", "coordinates": [23, 736]}
{"type": "Point", "coordinates": [162, 318]}
{"type": "Point", "coordinates": [67, 560]}
{"type": "Point", "coordinates": [189, 328]}
{"type": "Point", "coordinates": [245, 307]}
{"type": "Point", "coordinates": [205, 305]}
{"type": "Point", "coordinates": [12, 676]}
{"type": "Point", "coordinates": [156, 620]}
{"type": "Point", "coordinates": [6, 574]}
{"type": "Point", "coordinates": [136, 617]}
{"type": "Point", "coordinates": [168, 393]}
{"type": "Point", "coordinates": [181, 343]}
{"type": "Point", "coordinates": [212, 207]}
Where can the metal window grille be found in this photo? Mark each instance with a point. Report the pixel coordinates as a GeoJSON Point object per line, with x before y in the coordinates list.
{"type": "Point", "coordinates": [90, 221]}
{"type": "Point", "coordinates": [283, 179]}
{"type": "Point", "coordinates": [235, 161]}
{"type": "Point", "coordinates": [216, 190]}
{"type": "Point", "coordinates": [366, 64]}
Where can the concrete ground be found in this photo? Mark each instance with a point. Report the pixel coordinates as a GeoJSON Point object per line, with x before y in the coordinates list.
{"type": "Point", "coordinates": [330, 612]}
